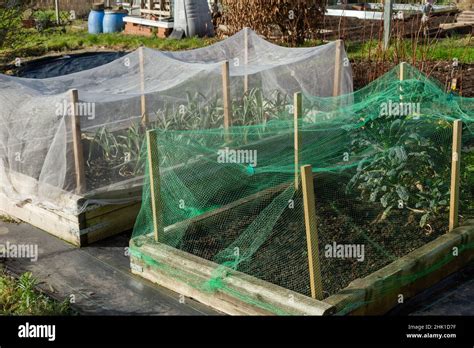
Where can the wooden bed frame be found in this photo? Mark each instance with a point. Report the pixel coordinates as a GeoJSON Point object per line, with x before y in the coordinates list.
{"type": "Point", "coordinates": [94, 223]}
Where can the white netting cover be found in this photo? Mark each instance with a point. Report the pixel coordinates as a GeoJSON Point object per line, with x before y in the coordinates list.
{"type": "Point", "coordinates": [182, 90]}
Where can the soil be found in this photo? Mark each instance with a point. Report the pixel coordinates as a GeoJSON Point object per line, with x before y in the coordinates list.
{"type": "Point", "coordinates": [100, 172]}
{"type": "Point", "coordinates": [366, 71]}
{"type": "Point", "coordinates": [282, 258]}
{"type": "Point", "coordinates": [358, 30]}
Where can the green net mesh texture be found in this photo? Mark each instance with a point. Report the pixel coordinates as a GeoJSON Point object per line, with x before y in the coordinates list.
{"type": "Point", "coordinates": [381, 160]}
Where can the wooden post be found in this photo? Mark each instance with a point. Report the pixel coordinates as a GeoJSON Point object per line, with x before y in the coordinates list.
{"type": "Point", "coordinates": [402, 77]}
{"type": "Point", "coordinates": [154, 175]}
{"type": "Point", "coordinates": [337, 69]}
{"type": "Point", "coordinates": [454, 84]}
{"type": "Point", "coordinates": [246, 59]}
{"type": "Point", "coordinates": [311, 233]}
{"type": "Point", "coordinates": [226, 98]}
{"type": "Point", "coordinates": [387, 22]}
{"type": "Point", "coordinates": [142, 86]}
{"type": "Point", "coordinates": [402, 71]}
{"type": "Point", "coordinates": [77, 143]}
{"type": "Point", "coordinates": [298, 111]}
{"type": "Point", "coordinates": [455, 176]}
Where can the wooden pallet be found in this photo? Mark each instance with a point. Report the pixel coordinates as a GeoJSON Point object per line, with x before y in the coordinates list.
{"type": "Point", "coordinates": [161, 8]}
{"type": "Point", "coordinates": [96, 222]}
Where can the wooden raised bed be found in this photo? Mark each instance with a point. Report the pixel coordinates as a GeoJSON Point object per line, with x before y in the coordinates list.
{"type": "Point", "coordinates": [96, 222]}
{"type": "Point", "coordinates": [239, 293]}
{"type": "Point", "coordinates": [243, 294]}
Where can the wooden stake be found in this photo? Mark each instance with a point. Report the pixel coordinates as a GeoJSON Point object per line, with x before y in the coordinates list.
{"type": "Point", "coordinates": [77, 143]}
{"type": "Point", "coordinates": [454, 84]}
{"type": "Point", "coordinates": [402, 77]}
{"type": "Point", "coordinates": [246, 59]}
{"type": "Point", "coordinates": [226, 98]}
{"type": "Point", "coordinates": [142, 86]}
{"type": "Point", "coordinates": [311, 233]}
{"type": "Point", "coordinates": [154, 175]}
{"type": "Point", "coordinates": [402, 71]}
{"type": "Point", "coordinates": [455, 176]}
{"type": "Point", "coordinates": [337, 69]}
{"type": "Point", "coordinates": [298, 111]}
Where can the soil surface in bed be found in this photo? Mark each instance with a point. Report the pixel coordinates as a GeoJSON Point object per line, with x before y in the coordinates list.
{"type": "Point", "coordinates": [282, 257]}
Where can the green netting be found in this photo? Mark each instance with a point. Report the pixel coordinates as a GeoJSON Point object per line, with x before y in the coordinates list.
{"type": "Point", "coordinates": [381, 159]}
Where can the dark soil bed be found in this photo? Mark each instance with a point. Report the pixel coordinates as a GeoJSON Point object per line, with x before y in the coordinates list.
{"type": "Point", "coordinates": [282, 258]}
{"type": "Point", "coordinates": [365, 71]}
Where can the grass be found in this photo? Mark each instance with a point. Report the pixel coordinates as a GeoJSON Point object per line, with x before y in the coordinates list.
{"type": "Point", "coordinates": [20, 297]}
{"type": "Point", "coordinates": [33, 43]}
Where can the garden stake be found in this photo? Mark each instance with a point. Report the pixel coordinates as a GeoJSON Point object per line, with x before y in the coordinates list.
{"type": "Point", "coordinates": [455, 176]}
{"type": "Point", "coordinates": [142, 86]}
{"type": "Point", "coordinates": [77, 143]}
{"type": "Point", "coordinates": [337, 69]}
{"type": "Point", "coordinates": [154, 175]}
{"type": "Point", "coordinates": [246, 59]}
{"type": "Point", "coordinates": [226, 99]}
{"type": "Point", "coordinates": [298, 110]}
{"type": "Point", "coordinates": [402, 77]}
{"type": "Point", "coordinates": [311, 232]}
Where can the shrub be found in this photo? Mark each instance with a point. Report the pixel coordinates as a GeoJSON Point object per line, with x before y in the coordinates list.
{"type": "Point", "coordinates": [296, 20]}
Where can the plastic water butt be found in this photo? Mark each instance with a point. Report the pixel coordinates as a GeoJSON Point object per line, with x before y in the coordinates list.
{"type": "Point", "coordinates": [193, 17]}
{"type": "Point", "coordinates": [113, 20]}
{"type": "Point", "coordinates": [96, 17]}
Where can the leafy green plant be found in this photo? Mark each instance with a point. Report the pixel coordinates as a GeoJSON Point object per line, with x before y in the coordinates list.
{"type": "Point", "coordinates": [254, 108]}
{"type": "Point", "coordinates": [122, 150]}
{"type": "Point", "coordinates": [20, 297]}
{"type": "Point", "coordinates": [197, 112]}
{"type": "Point", "coordinates": [406, 169]}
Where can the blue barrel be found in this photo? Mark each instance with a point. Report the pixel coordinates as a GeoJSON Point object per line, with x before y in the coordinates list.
{"type": "Point", "coordinates": [96, 17]}
{"type": "Point", "coordinates": [113, 21]}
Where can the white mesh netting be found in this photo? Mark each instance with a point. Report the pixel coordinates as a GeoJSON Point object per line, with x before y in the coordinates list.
{"type": "Point", "coordinates": [181, 90]}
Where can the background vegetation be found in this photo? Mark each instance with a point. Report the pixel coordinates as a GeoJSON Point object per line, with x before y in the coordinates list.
{"type": "Point", "coordinates": [20, 297]}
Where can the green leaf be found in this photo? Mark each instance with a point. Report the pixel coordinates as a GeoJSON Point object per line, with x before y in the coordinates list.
{"type": "Point", "coordinates": [423, 219]}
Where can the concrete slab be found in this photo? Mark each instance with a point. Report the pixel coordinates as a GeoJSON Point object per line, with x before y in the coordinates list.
{"type": "Point", "coordinates": [98, 276]}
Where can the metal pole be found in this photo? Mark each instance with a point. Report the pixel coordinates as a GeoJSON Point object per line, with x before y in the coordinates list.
{"type": "Point", "coordinates": [56, 5]}
{"type": "Point", "coordinates": [387, 22]}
